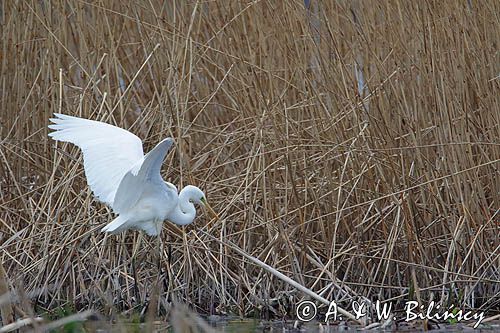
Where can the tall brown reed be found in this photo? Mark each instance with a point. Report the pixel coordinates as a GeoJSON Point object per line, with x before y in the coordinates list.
{"type": "Point", "coordinates": [352, 146]}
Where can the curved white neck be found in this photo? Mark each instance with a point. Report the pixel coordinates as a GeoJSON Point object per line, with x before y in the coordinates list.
{"type": "Point", "coordinates": [185, 212]}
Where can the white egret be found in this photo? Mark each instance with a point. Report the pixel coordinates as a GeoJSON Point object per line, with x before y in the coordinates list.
{"type": "Point", "coordinates": [121, 176]}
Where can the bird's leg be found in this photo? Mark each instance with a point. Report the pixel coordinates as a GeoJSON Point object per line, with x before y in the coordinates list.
{"type": "Point", "coordinates": [134, 270]}
{"type": "Point", "coordinates": [158, 252]}
{"type": "Point", "coordinates": [156, 292]}
{"type": "Point", "coordinates": [159, 225]}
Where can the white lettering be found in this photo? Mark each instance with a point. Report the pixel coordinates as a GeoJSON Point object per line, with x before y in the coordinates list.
{"type": "Point", "coordinates": [385, 312]}
{"type": "Point", "coordinates": [332, 310]}
{"type": "Point", "coordinates": [410, 315]}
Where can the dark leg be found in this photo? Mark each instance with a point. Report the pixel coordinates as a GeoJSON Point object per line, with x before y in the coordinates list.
{"type": "Point", "coordinates": [134, 269]}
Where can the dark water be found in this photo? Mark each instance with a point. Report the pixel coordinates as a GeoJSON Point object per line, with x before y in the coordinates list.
{"type": "Point", "coordinates": [257, 326]}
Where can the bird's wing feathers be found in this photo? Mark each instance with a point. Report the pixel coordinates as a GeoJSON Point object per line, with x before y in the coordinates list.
{"type": "Point", "coordinates": [142, 174]}
{"type": "Point", "coordinates": [109, 152]}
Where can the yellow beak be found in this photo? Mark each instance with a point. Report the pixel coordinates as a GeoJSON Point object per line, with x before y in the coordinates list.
{"type": "Point", "coordinates": [209, 209]}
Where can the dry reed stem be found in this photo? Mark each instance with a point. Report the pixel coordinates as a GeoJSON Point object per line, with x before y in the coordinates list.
{"type": "Point", "coordinates": [19, 324]}
{"type": "Point", "coordinates": [352, 146]}
{"type": "Point", "coordinates": [285, 278]}
{"type": "Point", "coordinates": [5, 306]}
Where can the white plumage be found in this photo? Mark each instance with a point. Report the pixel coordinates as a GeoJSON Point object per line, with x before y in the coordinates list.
{"type": "Point", "coordinates": [121, 176]}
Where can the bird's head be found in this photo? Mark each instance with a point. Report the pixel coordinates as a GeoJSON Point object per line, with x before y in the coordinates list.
{"type": "Point", "coordinates": [196, 196]}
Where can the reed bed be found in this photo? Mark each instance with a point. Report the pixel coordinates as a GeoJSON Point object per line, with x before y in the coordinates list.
{"type": "Point", "coordinates": [352, 146]}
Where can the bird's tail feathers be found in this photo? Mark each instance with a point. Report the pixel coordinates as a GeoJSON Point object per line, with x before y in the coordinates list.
{"type": "Point", "coordinates": [117, 225]}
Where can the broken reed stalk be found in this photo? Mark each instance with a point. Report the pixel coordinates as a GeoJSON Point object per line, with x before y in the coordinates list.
{"type": "Point", "coordinates": [19, 324]}
{"type": "Point", "coordinates": [366, 132]}
{"type": "Point", "coordinates": [281, 276]}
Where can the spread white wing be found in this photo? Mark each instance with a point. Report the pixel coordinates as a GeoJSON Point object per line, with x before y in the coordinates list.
{"type": "Point", "coordinates": [143, 174]}
{"type": "Point", "coordinates": [109, 152]}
